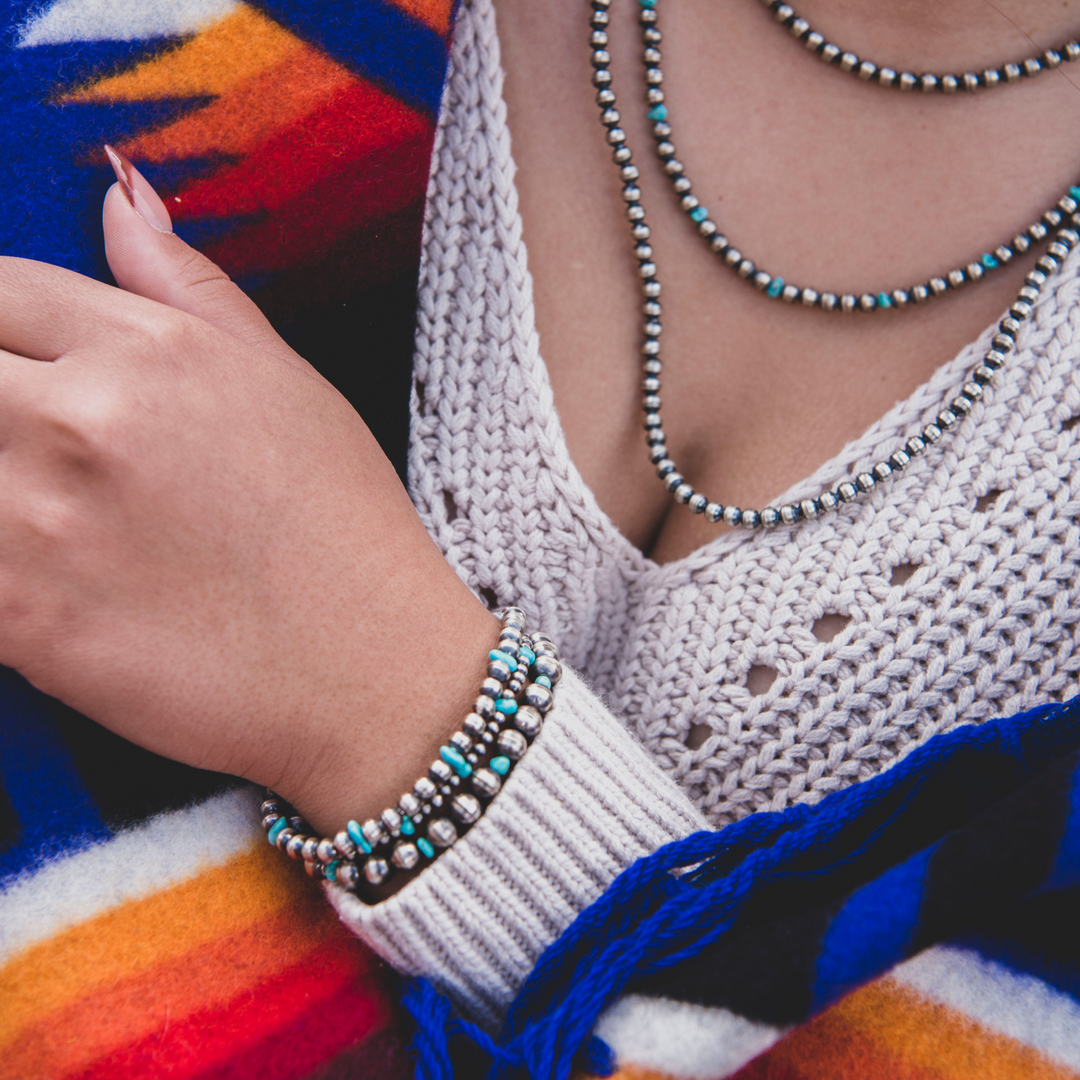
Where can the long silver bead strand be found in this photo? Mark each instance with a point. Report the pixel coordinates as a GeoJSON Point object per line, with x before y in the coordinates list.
{"type": "Point", "coordinates": [983, 375]}
{"type": "Point", "coordinates": [928, 83]}
{"type": "Point", "coordinates": [773, 285]}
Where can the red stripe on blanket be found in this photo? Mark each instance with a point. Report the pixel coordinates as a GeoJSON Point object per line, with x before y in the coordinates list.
{"type": "Point", "coordinates": [355, 138]}
{"type": "Point", "coordinates": [284, 1028]}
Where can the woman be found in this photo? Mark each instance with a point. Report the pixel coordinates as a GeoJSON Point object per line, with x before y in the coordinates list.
{"type": "Point", "coordinates": [194, 508]}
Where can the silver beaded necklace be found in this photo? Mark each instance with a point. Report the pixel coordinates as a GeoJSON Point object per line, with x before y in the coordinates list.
{"type": "Point", "coordinates": [951, 415]}
{"type": "Point", "coordinates": [868, 71]}
{"type": "Point", "coordinates": [774, 286]}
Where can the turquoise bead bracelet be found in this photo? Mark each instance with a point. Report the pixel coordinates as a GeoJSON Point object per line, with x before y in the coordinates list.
{"type": "Point", "coordinates": [469, 771]}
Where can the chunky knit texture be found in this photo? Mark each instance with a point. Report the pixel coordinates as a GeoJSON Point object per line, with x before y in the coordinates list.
{"type": "Point", "coordinates": [986, 625]}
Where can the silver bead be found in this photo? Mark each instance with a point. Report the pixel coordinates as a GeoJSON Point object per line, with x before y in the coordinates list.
{"type": "Point", "coordinates": [299, 844]}
{"type": "Point", "coordinates": [270, 821]}
{"type": "Point", "coordinates": [809, 508]}
{"type": "Point", "coordinates": [908, 81]}
{"type": "Point", "coordinates": [770, 517]}
{"type": "Point", "coordinates": [827, 501]}
{"type": "Point", "coordinates": [466, 808]}
{"type": "Point", "coordinates": [751, 520]}
{"type": "Point", "coordinates": [848, 61]}
{"type": "Point", "coordinates": [847, 491]}
{"type": "Point", "coordinates": [440, 772]}
{"type": "Point", "coordinates": [528, 721]}
{"type": "Point", "coordinates": [376, 870]}
{"type": "Point", "coordinates": [424, 789]}
{"type": "Point", "coordinates": [514, 617]}
{"type": "Point", "coordinates": [865, 481]}
{"type": "Point", "coordinates": [348, 877]}
{"type": "Point", "coordinates": [271, 806]}
{"type": "Point", "coordinates": [498, 669]}
{"type": "Point", "coordinates": [486, 783]}
{"type": "Point", "coordinates": [511, 744]}
{"type": "Point", "coordinates": [373, 832]}
{"type": "Point", "coordinates": [882, 471]}
{"type": "Point", "coordinates": [283, 838]}
{"type": "Point", "coordinates": [789, 514]}
{"type": "Point", "coordinates": [344, 844]}
{"type": "Point", "coordinates": [539, 697]}
{"type": "Point", "coordinates": [461, 742]}
{"type": "Point", "coordinates": [442, 832]}
{"type": "Point", "coordinates": [548, 665]}
{"type": "Point", "coordinates": [326, 851]}
{"type": "Point", "coordinates": [491, 687]}
{"type": "Point", "coordinates": [474, 725]}
{"type": "Point", "coordinates": [405, 856]}
{"type": "Point", "coordinates": [732, 516]}
{"type": "Point", "coordinates": [714, 512]}
{"type": "Point", "coordinates": [484, 706]}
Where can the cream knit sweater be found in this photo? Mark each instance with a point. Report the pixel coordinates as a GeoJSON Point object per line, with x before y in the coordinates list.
{"type": "Point", "coordinates": [955, 584]}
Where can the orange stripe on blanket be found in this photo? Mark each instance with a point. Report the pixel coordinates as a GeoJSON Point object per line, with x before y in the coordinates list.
{"type": "Point", "coordinates": [887, 1030]}
{"type": "Point", "coordinates": [237, 48]}
{"type": "Point", "coordinates": [207, 977]}
{"type": "Point", "coordinates": [249, 113]}
{"type": "Point", "coordinates": [140, 935]}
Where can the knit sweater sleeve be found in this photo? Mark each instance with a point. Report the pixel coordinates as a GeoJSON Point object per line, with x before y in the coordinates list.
{"type": "Point", "coordinates": [583, 804]}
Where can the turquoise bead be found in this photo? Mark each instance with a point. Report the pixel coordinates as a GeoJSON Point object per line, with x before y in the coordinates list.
{"type": "Point", "coordinates": [505, 657]}
{"type": "Point", "coordinates": [407, 827]}
{"type": "Point", "coordinates": [528, 656]}
{"type": "Point", "coordinates": [357, 837]}
{"type": "Point", "coordinates": [425, 848]}
{"type": "Point", "coordinates": [455, 761]}
{"type": "Point", "coordinates": [331, 870]}
{"type": "Point", "coordinates": [275, 830]}
{"type": "Point", "coordinates": [506, 705]}
{"type": "Point", "coordinates": [657, 112]}
{"type": "Point", "coordinates": [501, 765]}
{"type": "Point", "coordinates": [1075, 192]}
{"type": "Point", "coordinates": [543, 680]}
{"type": "Point", "coordinates": [647, 3]}
{"type": "Point", "coordinates": [700, 214]}
{"type": "Point", "coordinates": [990, 262]}
{"type": "Point", "coordinates": [776, 287]}
{"type": "Point", "coordinates": [884, 300]}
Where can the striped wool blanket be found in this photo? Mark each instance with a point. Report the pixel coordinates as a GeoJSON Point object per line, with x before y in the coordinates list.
{"type": "Point", "coordinates": [922, 924]}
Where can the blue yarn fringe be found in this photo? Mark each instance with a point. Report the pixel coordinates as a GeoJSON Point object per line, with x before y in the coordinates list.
{"type": "Point", "coordinates": [651, 918]}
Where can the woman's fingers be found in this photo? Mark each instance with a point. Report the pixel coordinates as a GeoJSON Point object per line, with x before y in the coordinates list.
{"type": "Point", "coordinates": [146, 258]}
{"type": "Point", "coordinates": [46, 311]}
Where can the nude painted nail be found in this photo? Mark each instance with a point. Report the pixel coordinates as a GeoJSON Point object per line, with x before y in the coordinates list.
{"type": "Point", "coordinates": [144, 199]}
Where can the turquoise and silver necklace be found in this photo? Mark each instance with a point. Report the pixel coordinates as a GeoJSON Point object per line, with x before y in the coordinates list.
{"type": "Point", "coordinates": [1058, 224]}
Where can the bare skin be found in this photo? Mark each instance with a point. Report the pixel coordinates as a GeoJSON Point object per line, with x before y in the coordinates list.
{"type": "Point", "coordinates": [813, 175]}
{"type": "Point", "coordinates": [200, 544]}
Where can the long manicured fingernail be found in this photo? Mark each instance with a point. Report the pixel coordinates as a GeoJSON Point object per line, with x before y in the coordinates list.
{"type": "Point", "coordinates": [143, 198]}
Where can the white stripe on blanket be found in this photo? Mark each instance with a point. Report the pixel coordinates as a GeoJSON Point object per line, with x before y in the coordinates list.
{"type": "Point", "coordinates": [162, 852]}
{"type": "Point", "coordinates": [688, 1042]}
{"type": "Point", "coordinates": [122, 20]}
{"type": "Point", "coordinates": [1000, 999]}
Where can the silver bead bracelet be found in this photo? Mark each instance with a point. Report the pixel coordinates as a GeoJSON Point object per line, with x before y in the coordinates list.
{"type": "Point", "coordinates": [471, 768]}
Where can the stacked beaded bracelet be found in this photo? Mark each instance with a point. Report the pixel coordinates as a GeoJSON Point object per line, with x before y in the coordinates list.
{"type": "Point", "coordinates": [470, 770]}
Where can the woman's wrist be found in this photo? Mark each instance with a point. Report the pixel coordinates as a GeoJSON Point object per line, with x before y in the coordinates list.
{"type": "Point", "coordinates": [452, 794]}
{"type": "Point", "coordinates": [360, 758]}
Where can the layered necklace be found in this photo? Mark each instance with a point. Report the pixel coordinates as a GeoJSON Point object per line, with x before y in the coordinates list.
{"type": "Point", "coordinates": [1058, 225]}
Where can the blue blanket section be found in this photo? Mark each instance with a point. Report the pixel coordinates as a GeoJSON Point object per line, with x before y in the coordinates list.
{"type": "Point", "coordinates": [53, 809]}
{"type": "Point", "coordinates": [377, 40]}
{"type": "Point", "coordinates": [974, 838]}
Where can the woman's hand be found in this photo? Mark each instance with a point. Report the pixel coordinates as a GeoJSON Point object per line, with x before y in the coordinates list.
{"type": "Point", "coordinates": [201, 545]}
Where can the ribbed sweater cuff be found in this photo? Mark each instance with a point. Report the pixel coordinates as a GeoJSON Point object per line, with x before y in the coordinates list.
{"type": "Point", "coordinates": [581, 806]}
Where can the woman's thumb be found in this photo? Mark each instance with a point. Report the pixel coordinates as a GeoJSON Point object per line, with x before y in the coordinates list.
{"type": "Point", "coordinates": [146, 258]}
